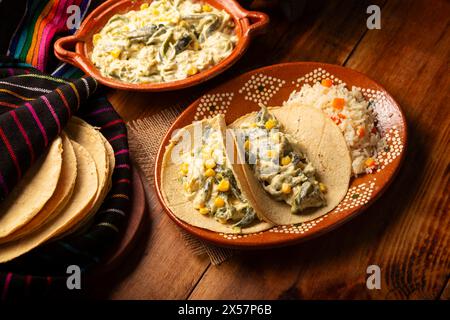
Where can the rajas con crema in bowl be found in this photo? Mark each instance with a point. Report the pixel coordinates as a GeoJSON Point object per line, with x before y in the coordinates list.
{"type": "Point", "coordinates": [163, 41]}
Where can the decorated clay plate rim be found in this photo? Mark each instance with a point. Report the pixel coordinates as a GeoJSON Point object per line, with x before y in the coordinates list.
{"type": "Point", "coordinates": [371, 187]}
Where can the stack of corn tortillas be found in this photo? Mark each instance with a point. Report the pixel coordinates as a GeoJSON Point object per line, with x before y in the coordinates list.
{"type": "Point", "coordinates": [60, 193]}
{"type": "Point", "coordinates": [316, 136]}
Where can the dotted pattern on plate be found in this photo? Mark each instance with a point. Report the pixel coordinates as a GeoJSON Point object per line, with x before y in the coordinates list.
{"type": "Point", "coordinates": [213, 104]}
{"type": "Point", "coordinates": [261, 88]}
{"type": "Point", "coordinates": [231, 236]}
{"type": "Point", "coordinates": [356, 196]}
{"type": "Point", "coordinates": [298, 228]}
{"type": "Point", "coordinates": [315, 76]}
{"type": "Point", "coordinates": [393, 149]}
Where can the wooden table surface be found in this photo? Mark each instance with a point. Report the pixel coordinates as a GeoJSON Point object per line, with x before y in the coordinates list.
{"type": "Point", "coordinates": [406, 232]}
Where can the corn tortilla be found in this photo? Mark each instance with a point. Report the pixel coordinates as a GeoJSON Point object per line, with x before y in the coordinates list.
{"type": "Point", "coordinates": [60, 197]}
{"type": "Point", "coordinates": [82, 225]}
{"type": "Point", "coordinates": [32, 192]}
{"type": "Point", "coordinates": [79, 204]}
{"type": "Point", "coordinates": [92, 140]}
{"type": "Point", "coordinates": [99, 148]}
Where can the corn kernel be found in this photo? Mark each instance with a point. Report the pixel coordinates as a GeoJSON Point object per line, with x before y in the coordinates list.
{"type": "Point", "coordinates": [155, 12]}
{"type": "Point", "coordinates": [224, 185]}
{"type": "Point", "coordinates": [192, 71]}
{"type": "Point", "coordinates": [370, 162]}
{"type": "Point", "coordinates": [270, 124]}
{"type": "Point", "coordinates": [96, 38]}
{"type": "Point", "coordinates": [184, 168]}
{"type": "Point", "coordinates": [323, 187]}
{"type": "Point", "coordinates": [210, 163]}
{"type": "Point", "coordinates": [199, 205]}
{"type": "Point", "coordinates": [210, 173]}
{"type": "Point", "coordinates": [206, 8]}
{"type": "Point", "coordinates": [219, 202]}
{"type": "Point", "coordinates": [286, 188]}
{"type": "Point", "coordinates": [204, 210]}
{"type": "Point", "coordinates": [116, 53]}
{"type": "Point", "coordinates": [285, 160]}
{"type": "Point", "coordinates": [144, 6]}
{"type": "Point", "coordinates": [196, 45]}
{"type": "Point", "coordinates": [271, 153]}
{"type": "Point", "coordinates": [253, 125]}
{"type": "Point", "coordinates": [247, 145]}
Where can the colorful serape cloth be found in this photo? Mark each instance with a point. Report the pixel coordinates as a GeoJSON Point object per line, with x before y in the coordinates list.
{"type": "Point", "coordinates": [42, 23]}
{"type": "Point", "coordinates": [34, 108]}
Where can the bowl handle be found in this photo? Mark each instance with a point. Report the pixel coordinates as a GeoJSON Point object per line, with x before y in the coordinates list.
{"type": "Point", "coordinates": [62, 51]}
{"type": "Point", "coordinates": [258, 22]}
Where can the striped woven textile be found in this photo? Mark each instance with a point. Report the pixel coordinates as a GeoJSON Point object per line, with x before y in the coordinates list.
{"type": "Point", "coordinates": [42, 22]}
{"type": "Point", "coordinates": [34, 108]}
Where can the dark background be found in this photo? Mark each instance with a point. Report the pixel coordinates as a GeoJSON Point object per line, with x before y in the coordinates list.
{"type": "Point", "coordinates": [11, 11]}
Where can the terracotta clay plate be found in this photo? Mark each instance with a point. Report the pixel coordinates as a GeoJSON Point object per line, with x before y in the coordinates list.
{"type": "Point", "coordinates": [272, 86]}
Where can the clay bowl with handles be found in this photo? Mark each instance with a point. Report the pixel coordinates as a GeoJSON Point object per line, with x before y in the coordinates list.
{"type": "Point", "coordinates": [76, 49]}
{"type": "Point", "coordinates": [272, 85]}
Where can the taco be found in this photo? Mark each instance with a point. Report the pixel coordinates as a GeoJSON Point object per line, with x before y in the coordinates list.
{"type": "Point", "coordinates": [200, 184]}
{"type": "Point", "coordinates": [295, 161]}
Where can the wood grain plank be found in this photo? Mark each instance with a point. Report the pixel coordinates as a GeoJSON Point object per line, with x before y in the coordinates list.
{"type": "Point", "coordinates": [159, 267]}
{"type": "Point", "coordinates": [445, 295]}
{"type": "Point", "coordinates": [181, 270]}
{"type": "Point", "coordinates": [415, 249]}
{"type": "Point", "coordinates": [406, 231]}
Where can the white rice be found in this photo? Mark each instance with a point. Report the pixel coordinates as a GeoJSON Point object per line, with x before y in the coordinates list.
{"type": "Point", "coordinates": [357, 113]}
